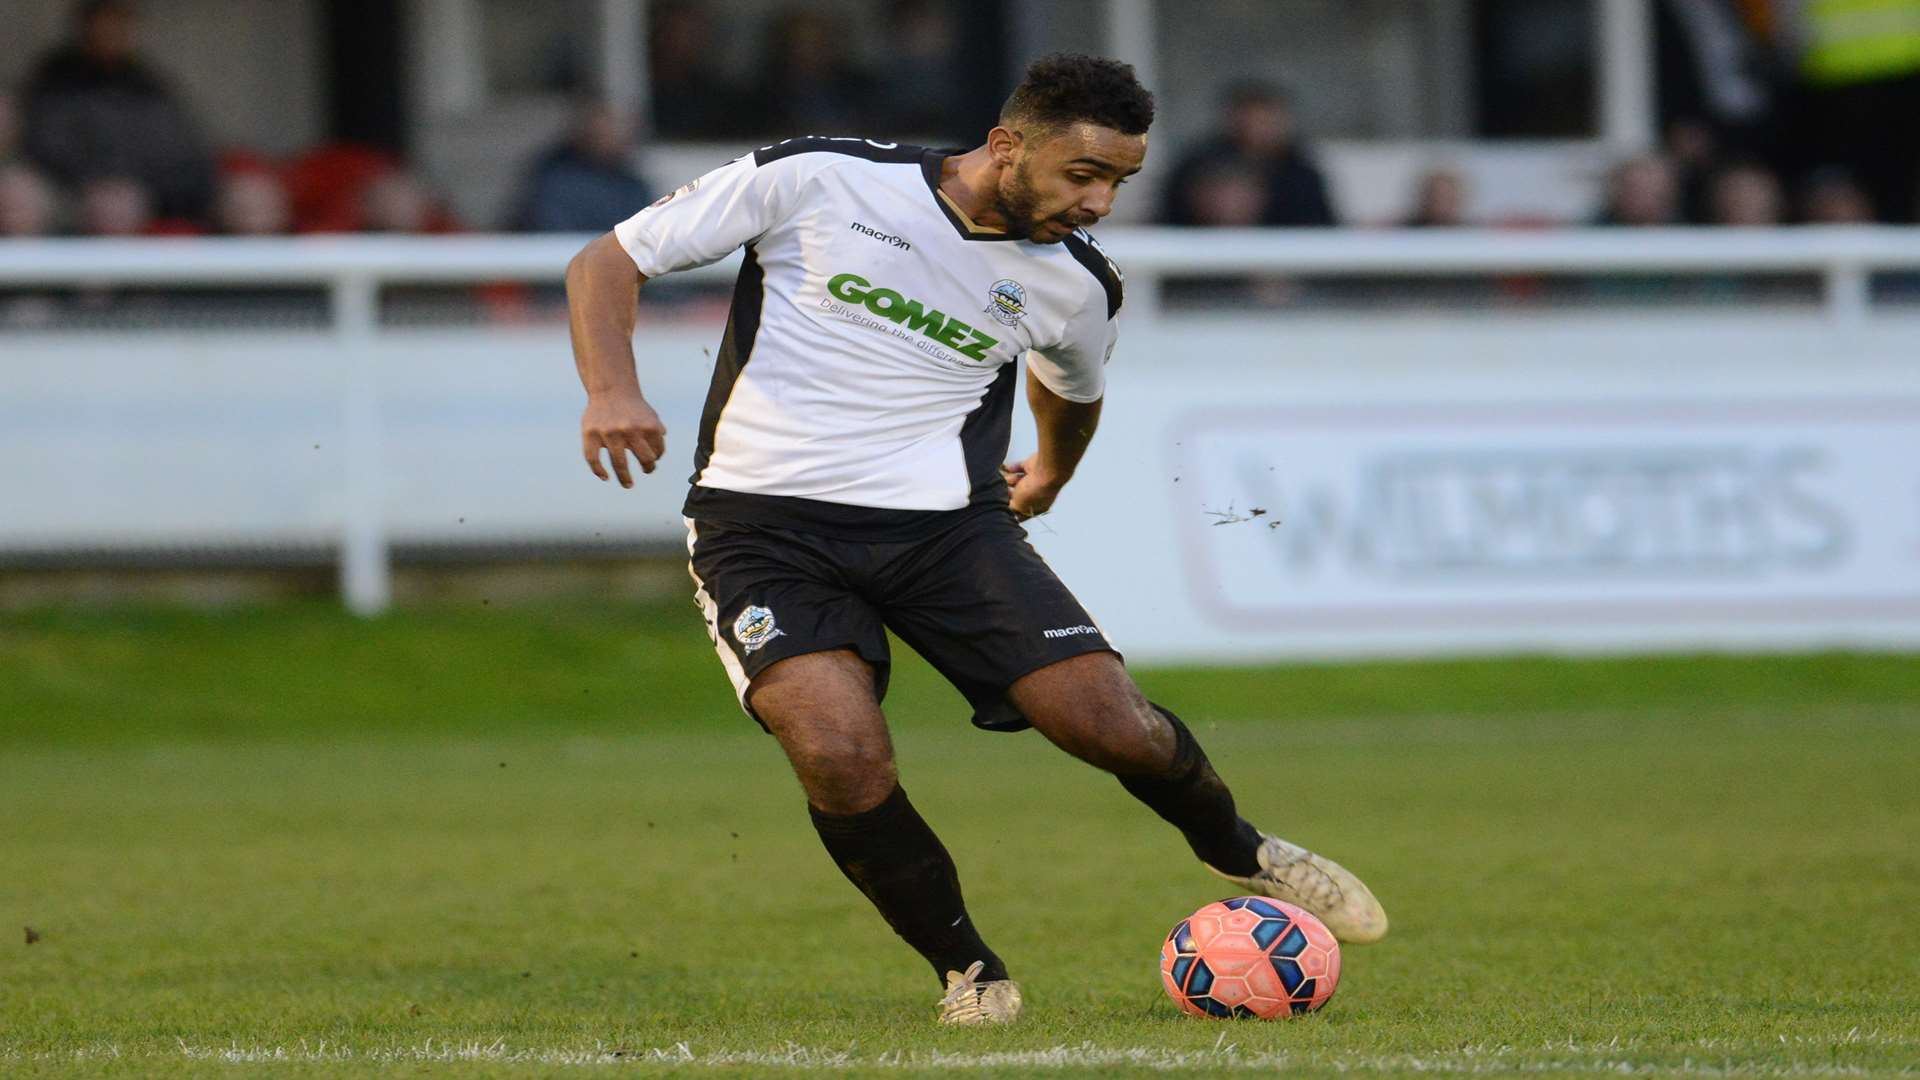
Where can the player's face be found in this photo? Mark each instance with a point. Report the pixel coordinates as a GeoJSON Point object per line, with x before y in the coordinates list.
{"type": "Point", "coordinates": [1066, 180]}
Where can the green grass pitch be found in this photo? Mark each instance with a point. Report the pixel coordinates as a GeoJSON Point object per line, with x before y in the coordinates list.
{"type": "Point", "coordinates": [532, 842]}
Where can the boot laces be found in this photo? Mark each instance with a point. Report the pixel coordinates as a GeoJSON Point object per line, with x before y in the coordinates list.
{"type": "Point", "coordinates": [964, 994]}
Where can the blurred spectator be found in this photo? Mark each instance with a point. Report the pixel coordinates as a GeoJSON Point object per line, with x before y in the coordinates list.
{"type": "Point", "coordinates": [1536, 68]}
{"type": "Point", "coordinates": [327, 183]}
{"type": "Point", "coordinates": [1716, 75]}
{"type": "Point", "coordinates": [1860, 68]}
{"type": "Point", "coordinates": [689, 102]}
{"type": "Point", "coordinates": [1439, 201]}
{"type": "Point", "coordinates": [252, 202]}
{"type": "Point", "coordinates": [1747, 194]}
{"type": "Point", "coordinates": [114, 206]}
{"type": "Point", "coordinates": [809, 84]}
{"type": "Point", "coordinates": [1640, 191]}
{"type": "Point", "coordinates": [923, 81]}
{"type": "Point", "coordinates": [347, 187]}
{"type": "Point", "coordinates": [1834, 197]}
{"type": "Point", "coordinates": [1694, 151]}
{"type": "Point", "coordinates": [1226, 192]}
{"type": "Point", "coordinates": [395, 203]}
{"type": "Point", "coordinates": [9, 129]}
{"type": "Point", "coordinates": [398, 202]}
{"type": "Point", "coordinates": [28, 208]}
{"type": "Point", "coordinates": [28, 205]}
{"type": "Point", "coordinates": [94, 110]}
{"type": "Point", "coordinates": [1259, 133]}
{"type": "Point", "coordinates": [585, 183]}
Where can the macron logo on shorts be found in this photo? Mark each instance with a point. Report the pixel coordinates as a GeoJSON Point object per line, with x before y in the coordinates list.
{"type": "Point", "coordinates": [1069, 631]}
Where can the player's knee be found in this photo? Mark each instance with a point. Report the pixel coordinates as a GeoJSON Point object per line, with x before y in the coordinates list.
{"type": "Point", "coordinates": [845, 779]}
{"type": "Point", "coordinates": [849, 764]}
{"type": "Point", "coordinates": [1112, 728]}
{"type": "Point", "coordinates": [854, 787]}
{"type": "Point", "coordinates": [1138, 739]}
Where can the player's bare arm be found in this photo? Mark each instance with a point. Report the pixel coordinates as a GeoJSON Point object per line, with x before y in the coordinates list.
{"type": "Point", "coordinates": [1066, 428]}
{"type": "Point", "coordinates": [603, 291]}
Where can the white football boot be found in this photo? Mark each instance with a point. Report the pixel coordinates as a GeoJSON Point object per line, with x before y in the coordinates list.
{"type": "Point", "coordinates": [1292, 873]}
{"type": "Point", "coordinates": [969, 1002]}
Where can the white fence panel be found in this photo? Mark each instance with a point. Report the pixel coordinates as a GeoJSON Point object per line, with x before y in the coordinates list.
{"type": "Point", "coordinates": [1496, 479]}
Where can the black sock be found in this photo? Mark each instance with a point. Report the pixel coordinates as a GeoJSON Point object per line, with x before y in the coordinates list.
{"type": "Point", "coordinates": [891, 855]}
{"type": "Point", "coordinates": [1193, 798]}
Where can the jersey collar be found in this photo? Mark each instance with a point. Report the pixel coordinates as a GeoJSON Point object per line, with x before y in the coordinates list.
{"type": "Point", "coordinates": [930, 164]}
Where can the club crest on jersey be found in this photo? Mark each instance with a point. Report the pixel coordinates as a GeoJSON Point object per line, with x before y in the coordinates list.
{"type": "Point", "coordinates": [1007, 301]}
{"type": "Point", "coordinates": [755, 627]}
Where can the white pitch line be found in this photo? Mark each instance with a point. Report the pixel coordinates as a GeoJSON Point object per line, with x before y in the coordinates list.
{"type": "Point", "coordinates": [1718, 1058]}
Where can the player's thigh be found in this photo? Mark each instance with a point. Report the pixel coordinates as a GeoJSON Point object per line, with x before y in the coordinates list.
{"type": "Point", "coordinates": [824, 707]}
{"type": "Point", "coordinates": [982, 606]}
{"type": "Point", "coordinates": [1090, 707]}
{"type": "Point", "coordinates": [770, 596]}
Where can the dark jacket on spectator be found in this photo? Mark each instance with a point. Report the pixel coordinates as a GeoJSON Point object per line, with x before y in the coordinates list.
{"type": "Point", "coordinates": [1296, 191]}
{"type": "Point", "coordinates": [85, 121]}
{"type": "Point", "coordinates": [570, 191]}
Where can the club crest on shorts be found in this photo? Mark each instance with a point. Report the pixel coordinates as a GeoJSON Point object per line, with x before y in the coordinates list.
{"type": "Point", "coordinates": [1007, 301]}
{"type": "Point", "coordinates": [755, 627]}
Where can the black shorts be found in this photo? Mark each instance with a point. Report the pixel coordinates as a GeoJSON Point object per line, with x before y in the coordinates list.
{"type": "Point", "coordinates": [975, 600]}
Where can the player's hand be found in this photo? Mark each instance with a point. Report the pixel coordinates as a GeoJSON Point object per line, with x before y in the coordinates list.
{"type": "Point", "coordinates": [1032, 487]}
{"type": "Point", "coordinates": [622, 424]}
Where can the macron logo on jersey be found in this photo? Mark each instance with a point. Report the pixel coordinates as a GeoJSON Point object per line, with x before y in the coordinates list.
{"type": "Point", "coordinates": [885, 238]}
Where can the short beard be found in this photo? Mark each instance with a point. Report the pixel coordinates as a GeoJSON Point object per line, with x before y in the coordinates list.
{"type": "Point", "coordinates": [1015, 201]}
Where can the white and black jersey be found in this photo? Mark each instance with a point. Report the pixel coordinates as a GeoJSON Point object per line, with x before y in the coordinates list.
{"type": "Point", "coordinates": [865, 384]}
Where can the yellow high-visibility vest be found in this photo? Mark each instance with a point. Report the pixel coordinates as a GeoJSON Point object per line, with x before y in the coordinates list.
{"type": "Point", "coordinates": [1853, 41]}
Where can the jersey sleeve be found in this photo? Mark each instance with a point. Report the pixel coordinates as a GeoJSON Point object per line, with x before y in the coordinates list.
{"type": "Point", "coordinates": [1075, 368]}
{"type": "Point", "coordinates": [709, 218]}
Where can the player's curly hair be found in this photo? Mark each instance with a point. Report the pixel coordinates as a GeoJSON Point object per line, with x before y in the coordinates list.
{"type": "Point", "coordinates": [1069, 88]}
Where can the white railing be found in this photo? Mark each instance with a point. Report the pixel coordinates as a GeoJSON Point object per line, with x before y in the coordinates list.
{"type": "Point", "coordinates": [1843, 255]}
{"type": "Point", "coordinates": [354, 269]}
